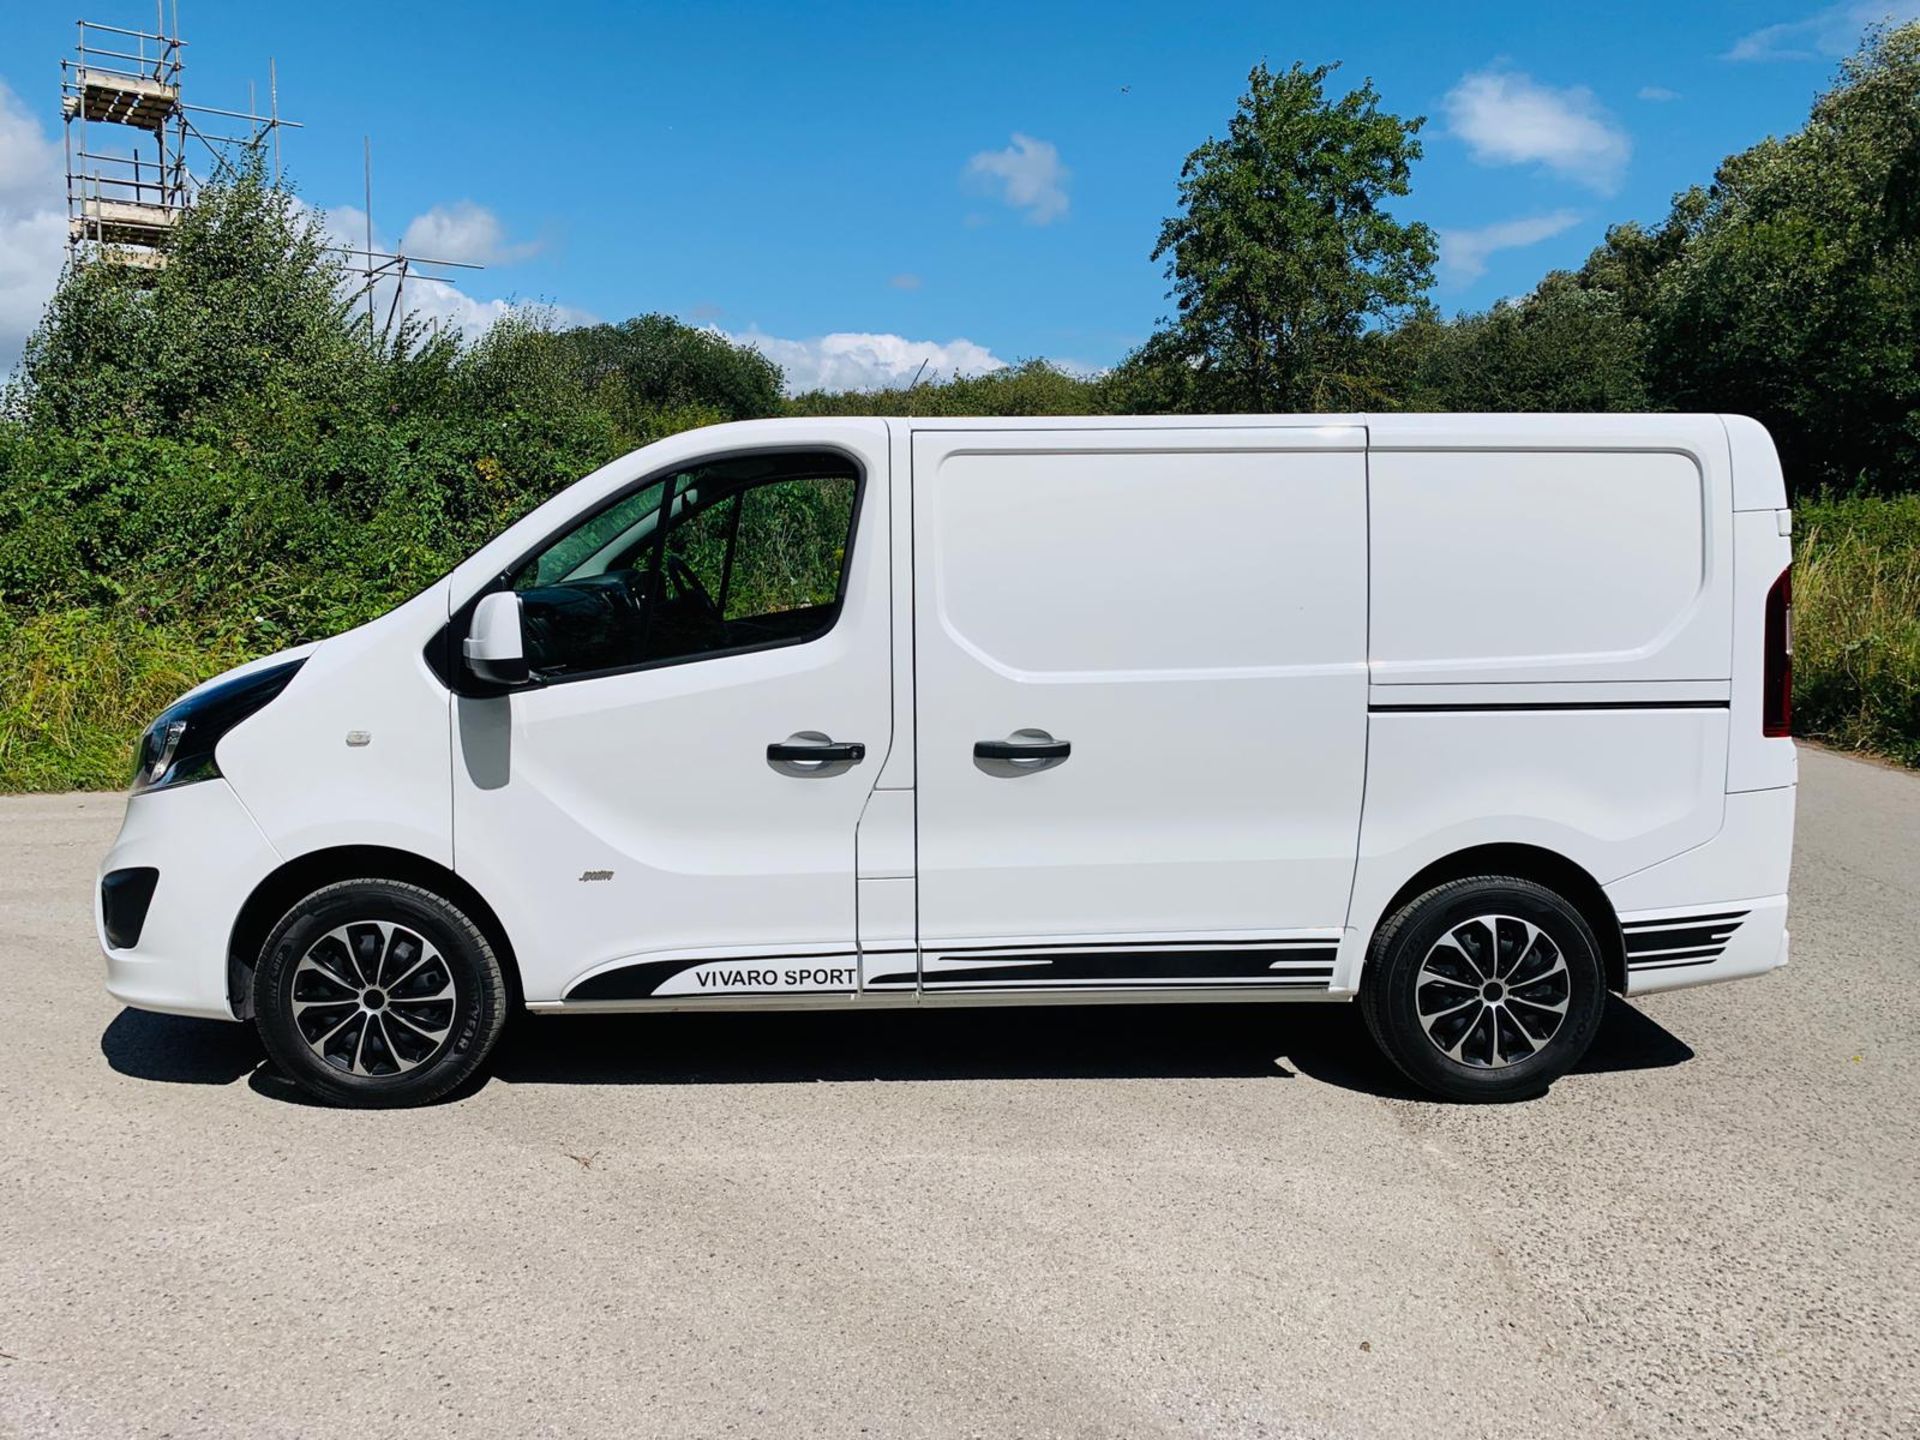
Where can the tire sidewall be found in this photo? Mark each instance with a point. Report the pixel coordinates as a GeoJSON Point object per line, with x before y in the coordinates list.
{"type": "Point", "coordinates": [479, 995]}
{"type": "Point", "coordinates": [1404, 947]}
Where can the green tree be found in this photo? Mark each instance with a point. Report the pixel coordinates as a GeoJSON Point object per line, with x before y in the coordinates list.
{"type": "Point", "coordinates": [248, 311]}
{"type": "Point", "coordinates": [1630, 262]}
{"type": "Point", "coordinates": [654, 363]}
{"type": "Point", "coordinates": [1795, 297]}
{"type": "Point", "coordinates": [1284, 254]}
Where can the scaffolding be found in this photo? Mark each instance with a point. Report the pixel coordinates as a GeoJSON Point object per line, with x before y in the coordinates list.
{"type": "Point", "coordinates": [120, 203]}
{"type": "Point", "coordinates": [128, 135]}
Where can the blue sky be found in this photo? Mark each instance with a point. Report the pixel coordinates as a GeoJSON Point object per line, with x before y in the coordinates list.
{"type": "Point", "coordinates": [859, 186]}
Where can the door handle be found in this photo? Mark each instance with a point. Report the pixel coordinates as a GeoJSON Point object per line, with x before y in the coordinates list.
{"type": "Point", "coordinates": [850, 752]}
{"type": "Point", "coordinates": [809, 752]}
{"type": "Point", "coordinates": [1024, 752]}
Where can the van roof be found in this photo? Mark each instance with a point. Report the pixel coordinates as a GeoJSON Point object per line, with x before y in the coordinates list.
{"type": "Point", "coordinates": [1712, 439]}
{"type": "Point", "coordinates": [1393, 428]}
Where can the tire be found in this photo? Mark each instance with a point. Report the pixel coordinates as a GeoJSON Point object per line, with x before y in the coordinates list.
{"type": "Point", "coordinates": [374, 993]}
{"type": "Point", "coordinates": [1460, 1032]}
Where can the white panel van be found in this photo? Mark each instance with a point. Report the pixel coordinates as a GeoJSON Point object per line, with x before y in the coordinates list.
{"type": "Point", "coordinates": [1470, 719]}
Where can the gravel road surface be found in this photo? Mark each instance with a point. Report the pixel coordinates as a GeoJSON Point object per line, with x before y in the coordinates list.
{"type": "Point", "coordinates": [1089, 1222]}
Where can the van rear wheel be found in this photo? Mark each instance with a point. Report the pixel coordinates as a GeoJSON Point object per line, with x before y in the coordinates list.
{"type": "Point", "coordinates": [376, 993]}
{"type": "Point", "coordinates": [1487, 988]}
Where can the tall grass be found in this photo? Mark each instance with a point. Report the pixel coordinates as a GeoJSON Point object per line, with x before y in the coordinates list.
{"type": "Point", "coordinates": [1856, 612]}
{"type": "Point", "coordinates": [76, 686]}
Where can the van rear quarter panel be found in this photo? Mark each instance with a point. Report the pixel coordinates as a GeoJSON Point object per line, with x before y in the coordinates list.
{"type": "Point", "coordinates": [1550, 644]}
{"type": "Point", "coordinates": [1614, 791]}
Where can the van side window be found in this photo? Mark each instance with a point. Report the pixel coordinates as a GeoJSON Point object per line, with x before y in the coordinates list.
{"type": "Point", "coordinates": [752, 553]}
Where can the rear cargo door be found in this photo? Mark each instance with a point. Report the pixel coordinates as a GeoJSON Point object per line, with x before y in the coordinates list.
{"type": "Point", "coordinates": [1140, 661]}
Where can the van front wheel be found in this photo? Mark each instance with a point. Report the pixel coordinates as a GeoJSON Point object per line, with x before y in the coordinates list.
{"type": "Point", "coordinates": [1487, 988]}
{"type": "Point", "coordinates": [378, 993]}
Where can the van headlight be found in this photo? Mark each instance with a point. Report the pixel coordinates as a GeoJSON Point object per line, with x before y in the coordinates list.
{"type": "Point", "coordinates": [177, 748]}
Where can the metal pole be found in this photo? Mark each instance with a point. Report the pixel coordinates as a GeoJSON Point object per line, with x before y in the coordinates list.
{"type": "Point", "coordinates": [80, 92]}
{"type": "Point", "coordinates": [366, 148]}
{"type": "Point", "coordinates": [393, 309]}
{"type": "Point", "coordinates": [236, 114]}
{"type": "Point", "coordinates": [273, 105]}
{"type": "Point", "coordinates": [66, 132]}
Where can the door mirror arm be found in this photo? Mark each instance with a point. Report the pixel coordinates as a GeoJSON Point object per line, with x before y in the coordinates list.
{"type": "Point", "coordinates": [496, 648]}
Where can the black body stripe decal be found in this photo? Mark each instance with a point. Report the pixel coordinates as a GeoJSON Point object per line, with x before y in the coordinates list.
{"type": "Point", "coordinates": [1107, 947]}
{"type": "Point", "coordinates": [1673, 920]}
{"type": "Point", "coordinates": [1671, 964]}
{"type": "Point", "coordinates": [1679, 940]}
{"type": "Point", "coordinates": [1245, 963]}
{"type": "Point", "coordinates": [1444, 706]}
{"type": "Point", "coordinates": [1640, 941]}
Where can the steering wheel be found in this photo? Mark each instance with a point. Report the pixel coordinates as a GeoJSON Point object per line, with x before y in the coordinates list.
{"type": "Point", "coordinates": [687, 586]}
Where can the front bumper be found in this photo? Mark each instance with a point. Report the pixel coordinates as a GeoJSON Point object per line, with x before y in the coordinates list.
{"type": "Point", "coordinates": [210, 856]}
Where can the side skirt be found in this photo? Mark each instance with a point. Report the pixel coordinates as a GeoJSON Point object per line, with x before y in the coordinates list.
{"type": "Point", "coordinates": [907, 999]}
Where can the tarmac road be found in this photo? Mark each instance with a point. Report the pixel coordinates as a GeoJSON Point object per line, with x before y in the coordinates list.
{"type": "Point", "coordinates": [997, 1223]}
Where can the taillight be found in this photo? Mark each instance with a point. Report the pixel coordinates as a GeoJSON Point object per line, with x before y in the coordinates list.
{"type": "Point", "coordinates": [1776, 698]}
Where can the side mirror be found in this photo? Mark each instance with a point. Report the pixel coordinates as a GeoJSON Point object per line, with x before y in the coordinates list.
{"type": "Point", "coordinates": [495, 648]}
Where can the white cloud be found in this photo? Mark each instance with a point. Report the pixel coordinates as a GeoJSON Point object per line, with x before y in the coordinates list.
{"type": "Point", "coordinates": [905, 281]}
{"type": "Point", "coordinates": [33, 224]}
{"type": "Point", "coordinates": [1464, 253]}
{"type": "Point", "coordinates": [853, 361]}
{"type": "Point", "coordinates": [1824, 34]}
{"type": "Point", "coordinates": [29, 158]}
{"type": "Point", "coordinates": [1027, 175]}
{"type": "Point", "coordinates": [1507, 118]}
{"type": "Point", "coordinates": [1656, 93]}
{"type": "Point", "coordinates": [464, 231]}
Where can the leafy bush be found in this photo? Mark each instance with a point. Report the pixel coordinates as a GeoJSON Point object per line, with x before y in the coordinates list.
{"type": "Point", "coordinates": [1856, 603]}
{"type": "Point", "coordinates": [223, 458]}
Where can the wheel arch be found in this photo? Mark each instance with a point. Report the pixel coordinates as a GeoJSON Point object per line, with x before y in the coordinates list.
{"type": "Point", "coordinates": [302, 875]}
{"type": "Point", "coordinates": [1527, 862]}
